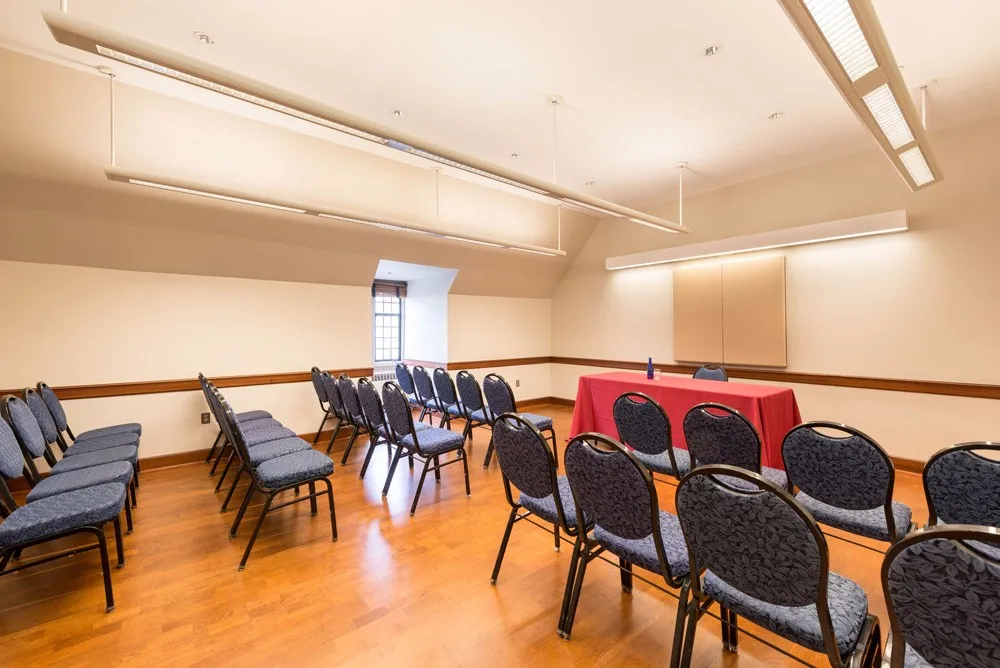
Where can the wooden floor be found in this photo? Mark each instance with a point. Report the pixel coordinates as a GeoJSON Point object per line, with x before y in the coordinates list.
{"type": "Point", "coordinates": [394, 590]}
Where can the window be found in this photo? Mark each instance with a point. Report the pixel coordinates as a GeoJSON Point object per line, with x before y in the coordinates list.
{"type": "Point", "coordinates": [387, 307]}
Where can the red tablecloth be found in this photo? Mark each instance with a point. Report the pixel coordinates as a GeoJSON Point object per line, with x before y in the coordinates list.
{"type": "Point", "coordinates": [773, 410]}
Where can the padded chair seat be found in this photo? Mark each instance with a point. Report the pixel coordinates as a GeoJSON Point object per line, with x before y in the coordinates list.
{"type": "Point", "coordinates": [546, 508]}
{"type": "Point", "coordinates": [413, 401]}
{"type": "Point", "coordinates": [869, 523]}
{"type": "Point", "coordinates": [258, 436]}
{"type": "Point", "coordinates": [277, 448]}
{"type": "Point", "coordinates": [913, 660]}
{"type": "Point", "coordinates": [455, 411]}
{"type": "Point", "coordinates": [432, 404]}
{"type": "Point", "coordinates": [102, 443]}
{"type": "Point", "coordinates": [642, 551]}
{"type": "Point", "coordinates": [290, 469]}
{"type": "Point", "coordinates": [661, 463]}
{"type": "Point", "coordinates": [435, 440]}
{"type": "Point", "coordinates": [120, 472]}
{"type": "Point", "coordinates": [248, 416]}
{"type": "Point", "coordinates": [129, 428]}
{"type": "Point", "coordinates": [259, 423]}
{"type": "Point", "coordinates": [62, 512]}
{"type": "Point", "coordinates": [777, 476]}
{"type": "Point", "coordinates": [847, 602]}
{"type": "Point", "coordinates": [479, 416]}
{"type": "Point", "coordinates": [125, 453]}
{"type": "Point", "coordinates": [540, 421]}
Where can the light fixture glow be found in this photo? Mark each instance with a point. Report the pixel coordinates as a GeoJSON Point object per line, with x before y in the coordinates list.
{"type": "Point", "coordinates": [915, 164]}
{"type": "Point", "coordinates": [591, 207]}
{"type": "Point", "coordinates": [473, 241]}
{"type": "Point", "coordinates": [211, 195]}
{"type": "Point", "coordinates": [372, 223]}
{"type": "Point", "coordinates": [888, 116]}
{"type": "Point", "coordinates": [528, 250]}
{"type": "Point", "coordinates": [839, 25]}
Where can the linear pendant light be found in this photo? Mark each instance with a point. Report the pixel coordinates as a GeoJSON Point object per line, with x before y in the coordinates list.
{"type": "Point", "coordinates": [848, 228]}
{"type": "Point", "coordinates": [848, 41]}
{"type": "Point", "coordinates": [225, 194]}
{"type": "Point", "coordinates": [101, 41]}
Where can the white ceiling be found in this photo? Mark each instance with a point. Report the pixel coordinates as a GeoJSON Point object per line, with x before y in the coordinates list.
{"type": "Point", "coordinates": [639, 95]}
{"type": "Point", "coordinates": [390, 270]}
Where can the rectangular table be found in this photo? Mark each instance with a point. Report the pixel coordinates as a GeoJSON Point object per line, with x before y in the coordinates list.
{"type": "Point", "coordinates": [773, 410]}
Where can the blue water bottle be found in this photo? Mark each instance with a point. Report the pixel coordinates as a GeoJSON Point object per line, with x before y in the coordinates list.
{"type": "Point", "coordinates": [649, 369]}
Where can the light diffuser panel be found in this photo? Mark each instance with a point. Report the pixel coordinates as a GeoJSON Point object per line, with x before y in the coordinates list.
{"type": "Point", "coordinates": [840, 28]}
{"type": "Point", "coordinates": [888, 115]}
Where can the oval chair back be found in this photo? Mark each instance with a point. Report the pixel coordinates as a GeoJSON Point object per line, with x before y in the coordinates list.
{"type": "Point", "coordinates": [525, 459]}
{"type": "Point", "coordinates": [26, 428]}
{"type": "Point", "coordinates": [469, 392]}
{"type": "Point", "coordinates": [499, 396]}
{"type": "Point", "coordinates": [333, 395]}
{"type": "Point", "coordinates": [424, 387]}
{"type": "Point", "coordinates": [711, 372]}
{"type": "Point", "coordinates": [643, 425]}
{"type": "Point", "coordinates": [318, 386]}
{"type": "Point", "coordinates": [42, 416]}
{"type": "Point", "coordinates": [397, 412]}
{"type": "Point", "coordinates": [941, 585]}
{"type": "Point", "coordinates": [404, 378]}
{"type": "Point", "coordinates": [349, 398]}
{"type": "Point", "coordinates": [54, 406]}
{"type": "Point", "coordinates": [371, 405]}
{"type": "Point", "coordinates": [962, 486]}
{"type": "Point", "coordinates": [718, 434]}
{"type": "Point", "coordinates": [11, 464]}
{"type": "Point", "coordinates": [445, 388]}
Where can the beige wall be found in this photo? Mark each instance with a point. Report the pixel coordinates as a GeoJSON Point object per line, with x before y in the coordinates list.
{"type": "Point", "coordinates": [918, 305]}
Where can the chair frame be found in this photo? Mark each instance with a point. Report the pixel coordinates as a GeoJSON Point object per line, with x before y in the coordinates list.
{"type": "Point", "coordinates": [866, 654]}
{"type": "Point", "coordinates": [956, 532]}
{"type": "Point", "coordinates": [887, 505]}
{"type": "Point", "coordinates": [338, 408]}
{"type": "Point", "coordinates": [317, 380]}
{"type": "Point", "coordinates": [357, 422]}
{"type": "Point", "coordinates": [415, 451]}
{"type": "Point", "coordinates": [515, 507]}
{"type": "Point", "coordinates": [375, 436]}
{"type": "Point", "coordinates": [711, 367]}
{"type": "Point", "coordinates": [441, 372]}
{"type": "Point", "coordinates": [586, 549]}
{"type": "Point", "coordinates": [493, 418]}
{"type": "Point", "coordinates": [627, 396]}
{"type": "Point", "coordinates": [425, 406]}
{"type": "Point", "coordinates": [971, 447]}
{"type": "Point", "coordinates": [471, 422]}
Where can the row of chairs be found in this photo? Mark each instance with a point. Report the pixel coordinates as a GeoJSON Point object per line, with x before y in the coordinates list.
{"type": "Point", "coordinates": [747, 545]}
{"type": "Point", "coordinates": [88, 486]}
{"type": "Point", "coordinates": [272, 456]}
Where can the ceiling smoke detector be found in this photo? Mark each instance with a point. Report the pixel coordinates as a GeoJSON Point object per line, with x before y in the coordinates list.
{"type": "Point", "coordinates": [514, 156]}
{"type": "Point", "coordinates": [590, 184]}
{"type": "Point", "coordinates": [397, 112]}
{"type": "Point", "coordinates": [203, 37]}
{"type": "Point", "coordinates": [712, 50]}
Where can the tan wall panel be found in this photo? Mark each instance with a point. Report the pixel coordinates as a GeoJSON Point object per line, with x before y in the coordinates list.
{"type": "Point", "coordinates": [753, 309]}
{"type": "Point", "coordinates": [698, 304]}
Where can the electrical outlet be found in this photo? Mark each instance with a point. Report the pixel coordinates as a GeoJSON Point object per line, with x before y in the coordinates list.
{"type": "Point", "coordinates": [206, 418]}
{"type": "Point", "coordinates": [517, 383]}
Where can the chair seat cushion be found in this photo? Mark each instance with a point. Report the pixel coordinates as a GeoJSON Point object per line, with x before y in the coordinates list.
{"type": "Point", "coordinates": [777, 476]}
{"type": "Point", "coordinates": [247, 416]}
{"type": "Point", "coordinates": [642, 551]}
{"type": "Point", "coordinates": [124, 453]}
{"type": "Point", "coordinates": [277, 448]}
{"type": "Point", "coordinates": [847, 602]}
{"type": "Point", "coordinates": [266, 435]}
{"type": "Point", "coordinates": [913, 660]}
{"type": "Point", "coordinates": [120, 472]}
{"type": "Point", "coordinates": [540, 421]}
{"type": "Point", "coordinates": [62, 512]}
{"type": "Point", "coordinates": [435, 440]}
{"type": "Point", "coordinates": [259, 423]}
{"type": "Point", "coordinates": [297, 467]}
{"type": "Point", "coordinates": [413, 401]}
{"type": "Point", "coordinates": [868, 523]}
{"type": "Point", "coordinates": [102, 443]}
{"type": "Point", "coordinates": [546, 508]}
{"type": "Point", "coordinates": [455, 411]}
{"type": "Point", "coordinates": [660, 463]}
{"type": "Point", "coordinates": [129, 428]}
{"type": "Point", "coordinates": [479, 416]}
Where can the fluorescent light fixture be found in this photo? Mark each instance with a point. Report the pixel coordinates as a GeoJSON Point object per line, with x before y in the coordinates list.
{"type": "Point", "coordinates": [69, 30]}
{"type": "Point", "coordinates": [591, 207]}
{"type": "Point", "coordinates": [849, 228]}
{"type": "Point", "coordinates": [848, 41]}
{"type": "Point", "coordinates": [203, 193]}
{"type": "Point", "coordinates": [227, 195]}
{"type": "Point", "coordinates": [915, 164]}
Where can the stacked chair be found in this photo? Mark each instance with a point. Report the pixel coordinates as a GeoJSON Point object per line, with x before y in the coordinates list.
{"type": "Point", "coordinates": [337, 410]}
{"type": "Point", "coordinates": [352, 413]}
{"type": "Point", "coordinates": [500, 398]}
{"type": "Point", "coordinates": [476, 412]}
{"type": "Point", "coordinates": [324, 400]}
{"type": "Point", "coordinates": [643, 425]}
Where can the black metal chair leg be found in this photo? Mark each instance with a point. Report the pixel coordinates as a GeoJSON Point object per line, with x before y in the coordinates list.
{"type": "Point", "coordinates": [489, 454]}
{"type": "Point", "coordinates": [392, 470]}
{"type": "Point", "coordinates": [336, 430]}
{"type": "Point", "coordinates": [423, 412]}
{"type": "Point", "coordinates": [503, 546]}
{"type": "Point", "coordinates": [119, 543]}
{"type": "Point", "coordinates": [232, 489]}
{"type": "Point", "coordinates": [313, 507]}
{"type": "Point", "coordinates": [225, 471]}
{"type": "Point", "coordinates": [420, 486]}
{"type": "Point", "coordinates": [692, 626]}
{"type": "Point", "coordinates": [682, 612]}
{"type": "Point", "coordinates": [102, 546]}
{"type": "Point", "coordinates": [215, 444]}
{"type": "Point", "coordinates": [570, 581]}
{"type": "Point", "coordinates": [218, 458]}
{"type": "Point", "coordinates": [128, 518]}
{"type": "Point", "coordinates": [555, 448]}
{"type": "Point", "coordinates": [626, 571]}
{"type": "Point", "coordinates": [556, 532]}
{"type": "Point", "coordinates": [437, 469]}
{"type": "Point", "coordinates": [350, 444]}
{"type": "Point", "coordinates": [5, 559]}
{"type": "Point", "coordinates": [132, 490]}
{"type": "Point", "coordinates": [467, 432]}
{"type": "Point", "coordinates": [575, 598]}
{"type": "Point", "coordinates": [326, 416]}
{"type": "Point", "coordinates": [256, 530]}
{"type": "Point", "coordinates": [242, 512]}
{"type": "Point", "coordinates": [465, 465]}
{"type": "Point", "coordinates": [368, 456]}
{"type": "Point", "coordinates": [730, 630]}
{"type": "Point", "coordinates": [411, 462]}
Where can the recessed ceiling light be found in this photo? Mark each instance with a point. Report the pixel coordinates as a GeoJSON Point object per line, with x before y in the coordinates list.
{"type": "Point", "coordinates": [203, 37]}
{"type": "Point", "coordinates": [776, 115]}
{"type": "Point", "coordinates": [591, 183]}
{"type": "Point", "coordinates": [397, 112]}
{"type": "Point", "coordinates": [712, 50]}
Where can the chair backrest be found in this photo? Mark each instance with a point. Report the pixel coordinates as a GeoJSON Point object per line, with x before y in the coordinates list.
{"type": "Point", "coordinates": [642, 424]}
{"type": "Point", "coordinates": [25, 426]}
{"type": "Point", "coordinates": [711, 372]}
{"type": "Point", "coordinates": [11, 459]}
{"type": "Point", "coordinates": [718, 434]}
{"type": "Point", "coordinates": [469, 391]}
{"type": "Point", "coordinates": [525, 458]}
{"type": "Point", "coordinates": [54, 405]}
{"type": "Point", "coordinates": [41, 412]}
{"type": "Point", "coordinates": [232, 430]}
{"type": "Point", "coordinates": [499, 396]}
{"type": "Point", "coordinates": [371, 405]}
{"type": "Point", "coordinates": [397, 411]}
{"type": "Point", "coordinates": [349, 396]}
{"type": "Point", "coordinates": [445, 388]}
{"type": "Point", "coordinates": [847, 470]}
{"type": "Point", "coordinates": [404, 378]}
{"type": "Point", "coordinates": [423, 384]}
{"type": "Point", "coordinates": [963, 487]}
{"type": "Point", "coordinates": [332, 393]}
{"type": "Point", "coordinates": [318, 386]}
{"type": "Point", "coordinates": [941, 587]}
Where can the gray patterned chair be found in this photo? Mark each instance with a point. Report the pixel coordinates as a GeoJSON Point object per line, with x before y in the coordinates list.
{"type": "Point", "coordinates": [447, 397]}
{"type": "Point", "coordinates": [718, 434]}
{"type": "Point", "coordinates": [527, 462]}
{"type": "Point", "coordinates": [476, 412]}
{"type": "Point", "coordinates": [374, 413]}
{"type": "Point", "coordinates": [59, 415]}
{"type": "Point", "coordinates": [615, 493]}
{"type": "Point", "coordinates": [332, 388]}
{"type": "Point", "coordinates": [941, 587]}
{"type": "Point", "coordinates": [759, 554]}
{"type": "Point", "coordinates": [500, 398]}
{"type": "Point", "coordinates": [711, 372]}
{"type": "Point", "coordinates": [962, 486]}
{"type": "Point", "coordinates": [643, 425]}
{"type": "Point", "coordinates": [424, 387]}
{"type": "Point", "coordinates": [84, 510]}
{"type": "Point", "coordinates": [845, 480]}
{"type": "Point", "coordinates": [404, 378]}
{"type": "Point", "coordinates": [53, 436]}
{"type": "Point", "coordinates": [352, 413]}
{"type": "Point", "coordinates": [251, 420]}
{"type": "Point", "coordinates": [427, 445]}
{"type": "Point", "coordinates": [324, 401]}
{"type": "Point", "coordinates": [276, 475]}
